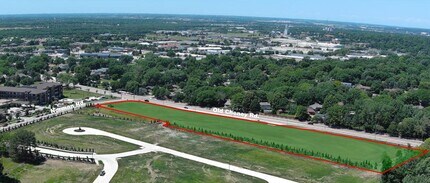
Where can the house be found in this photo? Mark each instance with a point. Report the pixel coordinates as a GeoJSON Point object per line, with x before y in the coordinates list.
{"type": "Point", "coordinates": [46, 51]}
{"type": "Point", "coordinates": [314, 108]}
{"type": "Point", "coordinates": [101, 55]}
{"type": "Point", "coordinates": [393, 90]}
{"type": "Point", "coordinates": [100, 72]}
{"type": "Point", "coordinates": [63, 51]}
{"type": "Point", "coordinates": [227, 103]}
{"type": "Point", "coordinates": [362, 87]}
{"type": "Point", "coordinates": [145, 44]}
{"type": "Point", "coordinates": [63, 67]}
{"type": "Point", "coordinates": [167, 44]}
{"type": "Point", "coordinates": [349, 85]}
{"type": "Point", "coordinates": [311, 111]}
{"type": "Point", "coordinates": [266, 107]}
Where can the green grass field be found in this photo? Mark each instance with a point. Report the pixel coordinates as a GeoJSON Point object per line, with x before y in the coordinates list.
{"type": "Point", "coordinates": [51, 171]}
{"type": "Point", "coordinates": [277, 164]}
{"type": "Point", "coordinates": [355, 150]}
{"type": "Point", "coordinates": [78, 94]}
{"type": "Point", "coordinates": [51, 131]}
{"type": "Point", "coordinates": [158, 167]}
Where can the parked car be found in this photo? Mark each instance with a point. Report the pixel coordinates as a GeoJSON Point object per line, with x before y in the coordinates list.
{"type": "Point", "coordinates": [185, 107]}
{"type": "Point", "coordinates": [146, 100]}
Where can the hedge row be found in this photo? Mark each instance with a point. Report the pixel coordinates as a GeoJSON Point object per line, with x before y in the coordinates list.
{"type": "Point", "coordinates": [67, 148]}
{"type": "Point", "coordinates": [286, 148]}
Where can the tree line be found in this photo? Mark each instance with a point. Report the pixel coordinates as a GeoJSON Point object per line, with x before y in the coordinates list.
{"type": "Point", "coordinates": [414, 171]}
{"type": "Point", "coordinates": [381, 95]}
{"type": "Point", "coordinates": [378, 95]}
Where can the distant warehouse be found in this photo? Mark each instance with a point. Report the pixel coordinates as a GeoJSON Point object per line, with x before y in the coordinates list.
{"type": "Point", "coordinates": [40, 94]}
{"type": "Point", "coordinates": [100, 55]}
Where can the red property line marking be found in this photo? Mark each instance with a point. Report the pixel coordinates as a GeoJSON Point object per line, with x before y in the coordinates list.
{"type": "Point", "coordinates": [167, 124]}
{"type": "Point", "coordinates": [266, 123]}
{"type": "Point", "coordinates": [423, 153]}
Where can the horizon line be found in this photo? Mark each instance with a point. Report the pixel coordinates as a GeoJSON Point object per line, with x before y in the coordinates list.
{"type": "Point", "coordinates": [187, 14]}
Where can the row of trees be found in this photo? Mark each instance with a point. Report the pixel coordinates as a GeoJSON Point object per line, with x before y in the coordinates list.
{"type": "Point", "coordinates": [68, 148]}
{"type": "Point", "coordinates": [381, 114]}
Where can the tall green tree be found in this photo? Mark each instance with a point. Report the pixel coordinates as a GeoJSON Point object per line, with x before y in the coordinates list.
{"type": "Point", "coordinates": [387, 163]}
{"type": "Point", "coordinates": [302, 113]}
{"type": "Point", "coordinates": [336, 115]}
{"type": "Point", "coordinates": [19, 146]}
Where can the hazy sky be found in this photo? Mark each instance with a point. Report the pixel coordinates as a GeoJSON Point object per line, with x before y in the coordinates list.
{"type": "Point", "coordinates": [408, 13]}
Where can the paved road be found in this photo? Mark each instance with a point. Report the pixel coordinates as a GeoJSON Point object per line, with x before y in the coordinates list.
{"type": "Point", "coordinates": [111, 164]}
{"type": "Point", "coordinates": [269, 119]}
{"type": "Point", "coordinates": [109, 160]}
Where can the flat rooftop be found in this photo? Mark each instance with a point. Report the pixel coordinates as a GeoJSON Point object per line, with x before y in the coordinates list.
{"type": "Point", "coordinates": [34, 89]}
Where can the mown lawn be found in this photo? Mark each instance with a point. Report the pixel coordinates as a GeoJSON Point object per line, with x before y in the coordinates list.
{"type": "Point", "coordinates": [78, 94]}
{"type": "Point", "coordinates": [355, 150]}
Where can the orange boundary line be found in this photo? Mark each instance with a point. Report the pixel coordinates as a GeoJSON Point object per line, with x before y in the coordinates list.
{"type": "Point", "coordinates": [167, 124]}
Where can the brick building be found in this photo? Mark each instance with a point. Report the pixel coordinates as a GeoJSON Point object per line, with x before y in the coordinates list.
{"type": "Point", "coordinates": [40, 94]}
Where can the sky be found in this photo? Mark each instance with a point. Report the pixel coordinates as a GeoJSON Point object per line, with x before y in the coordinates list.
{"type": "Point", "coordinates": [405, 13]}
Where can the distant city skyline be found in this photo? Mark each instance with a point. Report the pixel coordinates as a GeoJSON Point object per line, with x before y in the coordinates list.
{"type": "Point", "coordinates": [401, 13]}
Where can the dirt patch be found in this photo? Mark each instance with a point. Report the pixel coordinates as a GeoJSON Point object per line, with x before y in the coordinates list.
{"type": "Point", "coordinates": [54, 129]}
{"type": "Point", "coordinates": [230, 178]}
{"type": "Point", "coordinates": [151, 172]}
{"type": "Point", "coordinates": [136, 129]}
{"type": "Point", "coordinates": [206, 171]}
{"type": "Point", "coordinates": [365, 174]}
{"type": "Point", "coordinates": [68, 115]}
{"type": "Point", "coordinates": [59, 171]}
{"type": "Point", "coordinates": [58, 163]}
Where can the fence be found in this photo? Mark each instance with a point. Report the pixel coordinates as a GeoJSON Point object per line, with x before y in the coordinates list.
{"type": "Point", "coordinates": [42, 118]}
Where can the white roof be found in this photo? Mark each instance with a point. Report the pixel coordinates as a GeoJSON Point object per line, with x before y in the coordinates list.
{"type": "Point", "coordinates": [209, 48]}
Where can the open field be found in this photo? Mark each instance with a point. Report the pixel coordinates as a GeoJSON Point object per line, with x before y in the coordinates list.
{"type": "Point", "coordinates": [158, 167]}
{"type": "Point", "coordinates": [287, 166]}
{"type": "Point", "coordinates": [290, 167]}
{"type": "Point", "coordinates": [51, 171]}
{"type": "Point", "coordinates": [78, 94]}
{"type": "Point", "coordinates": [171, 37]}
{"type": "Point", "coordinates": [346, 148]}
{"type": "Point", "coordinates": [51, 131]}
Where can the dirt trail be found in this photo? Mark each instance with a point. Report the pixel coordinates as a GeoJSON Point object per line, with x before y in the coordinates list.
{"type": "Point", "coordinates": [151, 172]}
